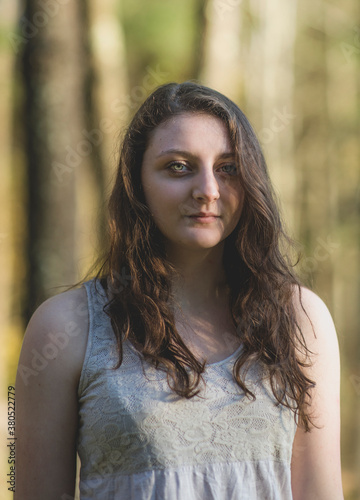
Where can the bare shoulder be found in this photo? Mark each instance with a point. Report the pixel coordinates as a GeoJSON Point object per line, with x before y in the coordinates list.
{"type": "Point", "coordinates": [316, 466]}
{"type": "Point", "coordinates": [47, 380]}
{"type": "Point", "coordinates": [315, 321]}
{"type": "Point", "coordinates": [322, 357]}
{"type": "Point", "coordinates": [57, 335]}
{"type": "Point", "coordinates": [66, 303]}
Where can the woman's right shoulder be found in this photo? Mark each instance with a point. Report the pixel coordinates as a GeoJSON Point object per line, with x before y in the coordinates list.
{"type": "Point", "coordinates": [66, 306]}
{"type": "Point", "coordinates": [57, 333]}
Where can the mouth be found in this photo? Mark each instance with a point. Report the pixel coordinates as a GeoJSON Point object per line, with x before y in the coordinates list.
{"type": "Point", "coordinates": [204, 218]}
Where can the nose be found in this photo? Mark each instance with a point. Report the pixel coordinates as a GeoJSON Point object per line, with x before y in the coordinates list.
{"type": "Point", "coordinates": [206, 188]}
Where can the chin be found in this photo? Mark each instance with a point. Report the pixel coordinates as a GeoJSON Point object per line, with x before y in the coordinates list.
{"type": "Point", "coordinates": [195, 241]}
{"type": "Point", "coordinates": [198, 244]}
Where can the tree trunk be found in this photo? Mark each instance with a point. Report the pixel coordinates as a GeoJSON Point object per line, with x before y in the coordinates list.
{"type": "Point", "coordinates": [9, 222]}
{"type": "Point", "coordinates": [58, 146]}
{"type": "Point", "coordinates": [221, 57]}
{"type": "Point", "coordinates": [201, 8]}
{"type": "Point", "coordinates": [111, 82]}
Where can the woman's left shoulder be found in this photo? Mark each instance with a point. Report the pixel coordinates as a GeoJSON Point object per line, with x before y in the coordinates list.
{"type": "Point", "coordinates": [314, 319]}
{"type": "Point", "coordinates": [315, 465]}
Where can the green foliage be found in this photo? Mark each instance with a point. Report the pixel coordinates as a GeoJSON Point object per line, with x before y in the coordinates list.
{"type": "Point", "coordinates": [160, 32]}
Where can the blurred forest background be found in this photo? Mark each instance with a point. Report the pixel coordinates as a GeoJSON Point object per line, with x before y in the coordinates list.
{"type": "Point", "coordinates": [72, 72]}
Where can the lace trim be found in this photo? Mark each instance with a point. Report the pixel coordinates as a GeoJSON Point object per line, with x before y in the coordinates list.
{"type": "Point", "coordinates": [130, 421]}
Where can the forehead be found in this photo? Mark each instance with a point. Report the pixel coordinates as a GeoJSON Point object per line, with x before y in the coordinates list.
{"type": "Point", "coordinates": [191, 131]}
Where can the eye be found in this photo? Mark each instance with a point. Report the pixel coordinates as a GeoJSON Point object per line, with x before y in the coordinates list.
{"type": "Point", "coordinates": [177, 166]}
{"type": "Point", "coordinates": [229, 168]}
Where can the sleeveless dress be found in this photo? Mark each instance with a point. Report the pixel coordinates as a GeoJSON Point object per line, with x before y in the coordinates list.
{"type": "Point", "coordinates": [138, 440]}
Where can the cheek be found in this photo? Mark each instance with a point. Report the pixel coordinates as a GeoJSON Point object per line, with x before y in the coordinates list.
{"type": "Point", "coordinates": [161, 194]}
{"type": "Point", "coordinates": [235, 200]}
{"type": "Point", "coordinates": [240, 204]}
{"type": "Point", "coordinates": [161, 200]}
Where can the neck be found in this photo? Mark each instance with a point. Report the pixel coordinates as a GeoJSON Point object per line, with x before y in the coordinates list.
{"type": "Point", "coordinates": [201, 277]}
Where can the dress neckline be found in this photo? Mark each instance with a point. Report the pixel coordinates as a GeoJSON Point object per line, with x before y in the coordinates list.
{"type": "Point", "coordinates": [228, 358]}
{"type": "Point", "coordinates": [207, 365]}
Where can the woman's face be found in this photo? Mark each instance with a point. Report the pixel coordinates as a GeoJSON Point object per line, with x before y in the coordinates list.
{"type": "Point", "coordinates": [190, 181]}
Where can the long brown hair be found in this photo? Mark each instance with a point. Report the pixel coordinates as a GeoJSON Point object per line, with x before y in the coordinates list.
{"type": "Point", "coordinates": [260, 277]}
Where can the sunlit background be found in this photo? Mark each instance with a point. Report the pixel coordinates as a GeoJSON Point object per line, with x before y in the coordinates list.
{"type": "Point", "coordinates": [73, 71]}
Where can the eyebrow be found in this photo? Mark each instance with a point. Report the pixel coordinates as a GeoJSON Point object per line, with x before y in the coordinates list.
{"type": "Point", "coordinates": [190, 155]}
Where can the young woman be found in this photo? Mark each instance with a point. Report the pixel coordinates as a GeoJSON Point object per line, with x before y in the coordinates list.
{"type": "Point", "coordinates": [194, 366]}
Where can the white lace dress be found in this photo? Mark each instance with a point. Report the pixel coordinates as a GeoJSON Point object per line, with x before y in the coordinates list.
{"type": "Point", "coordinates": [139, 441]}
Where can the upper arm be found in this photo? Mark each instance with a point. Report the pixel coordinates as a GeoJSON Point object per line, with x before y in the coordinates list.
{"type": "Point", "coordinates": [46, 397]}
{"type": "Point", "coordinates": [316, 468]}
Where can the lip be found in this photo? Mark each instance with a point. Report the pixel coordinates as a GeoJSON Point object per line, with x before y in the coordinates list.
{"type": "Point", "coordinates": [203, 214]}
{"type": "Point", "coordinates": [203, 217]}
